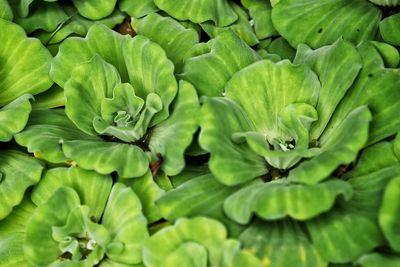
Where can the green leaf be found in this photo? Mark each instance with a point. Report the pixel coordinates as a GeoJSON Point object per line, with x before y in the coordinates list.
{"type": "Point", "coordinates": [171, 137]}
{"type": "Point", "coordinates": [27, 66]}
{"type": "Point", "coordinates": [378, 260]}
{"type": "Point", "coordinates": [339, 147]}
{"type": "Point", "coordinates": [376, 86]}
{"type": "Point", "coordinates": [295, 249]}
{"type": "Point", "coordinates": [148, 192]}
{"type": "Point", "coordinates": [206, 232]}
{"type": "Point", "coordinates": [389, 29]}
{"type": "Point", "coordinates": [389, 54]}
{"type": "Point", "coordinates": [106, 157]}
{"type": "Point", "coordinates": [137, 60]}
{"type": "Point", "coordinates": [90, 83]}
{"type": "Point", "coordinates": [12, 252]}
{"type": "Point", "coordinates": [93, 189]}
{"type": "Point", "coordinates": [343, 235]}
{"type": "Point", "coordinates": [5, 11]}
{"type": "Point", "coordinates": [209, 71]}
{"type": "Point", "coordinates": [14, 116]}
{"type": "Point", "coordinates": [335, 235]}
{"type": "Point", "coordinates": [18, 171]}
{"type": "Point", "coordinates": [137, 8]}
{"type": "Point", "coordinates": [230, 163]}
{"type": "Point", "coordinates": [205, 194]}
{"type": "Point", "coordinates": [44, 16]}
{"type": "Point", "coordinates": [281, 47]}
{"type": "Point", "coordinates": [326, 21]}
{"type": "Point", "coordinates": [76, 25]}
{"type": "Point", "coordinates": [241, 26]}
{"type": "Point", "coordinates": [52, 98]}
{"type": "Point", "coordinates": [337, 67]}
{"type": "Point", "coordinates": [276, 200]}
{"type": "Point", "coordinates": [260, 12]}
{"type": "Point", "coordinates": [174, 38]}
{"type": "Point", "coordinates": [12, 235]}
{"type": "Point", "coordinates": [40, 248]}
{"type": "Point", "coordinates": [277, 85]}
{"type": "Point", "coordinates": [45, 131]}
{"type": "Point", "coordinates": [197, 11]}
{"type": "Point", "coordinates": [124, 115]}
{"type": "Point", "coordinates": [95, 9]}
{"type": "Point", "coordinates": [124, 220]}
{"type": "Point", "coordinates": [198, 242]}
{"type": "Point", "coordinates": [386, 2]}
{"type": "Point", "coordinates": [389, 213]}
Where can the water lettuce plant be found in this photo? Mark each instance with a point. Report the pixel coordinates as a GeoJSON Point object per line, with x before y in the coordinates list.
{"type": "Point", "coordinates": [199, 133]}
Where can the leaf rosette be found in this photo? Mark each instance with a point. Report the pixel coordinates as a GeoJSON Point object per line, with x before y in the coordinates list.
{"type": "Point", "coordinates": [197, 242]}
{"type": "Point", "coordinates": [125, 96]}
{"type": "Point", "coordinates": [283, 123]}
{"type": "Point", "coordinates": [77, 218]}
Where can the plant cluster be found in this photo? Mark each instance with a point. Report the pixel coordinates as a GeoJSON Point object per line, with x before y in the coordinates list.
{"type": "Point", "coordinates": [199, 133]}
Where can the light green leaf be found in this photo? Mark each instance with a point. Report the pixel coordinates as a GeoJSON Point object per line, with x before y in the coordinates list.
{"type": "Point", "coordinates": [205, 194]}
{"type": "Point", "coordinates": [276, 200]}
{"type": "Point", "coordinates": [52, 98]}
{"type": "Point", "coordinates": [18, 171]}
{"type": "Point", "coordinates": [206, 232]}
{"type": "Point", "coordinates": [230, 163]}
{"type": "Point", "coordinates": [14, 116]}
{"type": "Point", "coordinates": [106, 157]}
{"type": "Point", "coordinates": [340, 147]}
{"type": "Point", "coordinates": [174, 38]}
{"type": "Point", "coordinates": [260, 12]}
{"type": "Point", "coordinates": [150, 71]}
{"type": "Point", "coordinates": [124, 220]}
{"type": "Point", "coordinates": [137, 8]}
{"type": "Point", "coordinates": [294, 120]}
{"type": "Point", "coordinates": [95, 9]}
{"type": "Point", "coordinates": [138, 61]}
{"type": "Point", "coordinates": [188, 254]}
{"type": "Point", "coordinates": [44, 16]}
{"type": "Point", "coordinates": [5, 11]}
{"type": "Point", "coordinates": [12, 235]}
{"type": "Point", "coordinates": [277, 85]}
{"type": "Point", "coordinates": [45, 131]}
{"type": "Point", "coordinates": [205, 241]}
{"type": "Point", "coordinates": [93, 189]}
{"type": "Point", "coordinates": [322, 22]}
{"type": "Point", "coordinates": [343, 235]}
{"type": "Point", "coordinates": [40, 248]}
{"type": "Point", "coordinates": [389, 29]}
{"type": "Point", "coordinates": [209, 71]}
{"type": "Point", "coordinates": [171, 137]}
{"type": "Point", "coordinates": [241, 26]}
{"type": "Point", "coordinates": [376, 86]}
{"type": "Point", "coordinates": [90, 83]}
{"type": "Point", "coordinates": [197, 11]}
{"type": "Point", "coordinates": [124, 115]}
{"type": "Point", "coordinates": [389, 213]}
{"type": "Point", "coordinates": [295, 249]}
{"type": "Point", "coordinates": [27, 65]}
{"type": "Point", "coordinates": [148, 192]}
{"type": "Point", "coordinates": [11, 251]}
{"type": "Point", "coordinates": [337, 67]}
{"type": "Point", "coordinates": [379, 260]}
{"type": "Point", "coordinates": [335, 235]}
